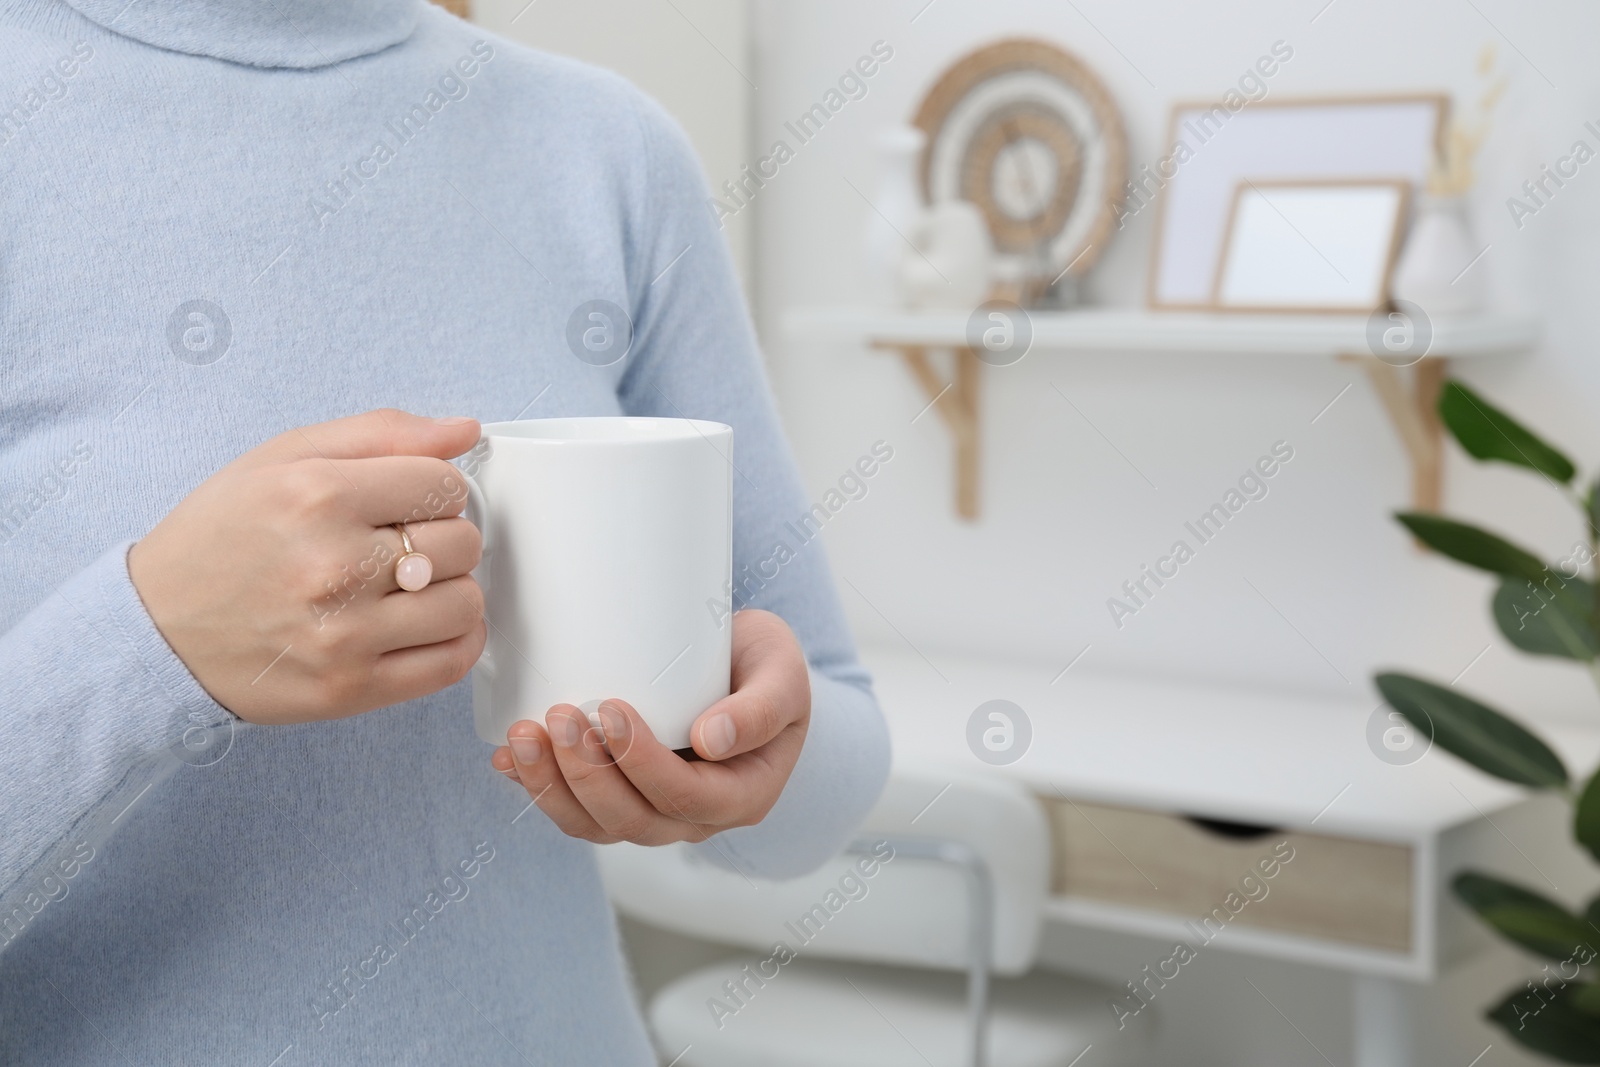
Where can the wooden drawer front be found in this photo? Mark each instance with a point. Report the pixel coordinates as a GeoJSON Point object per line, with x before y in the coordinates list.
{"type": "Point", "coordinates": [1335, 888]}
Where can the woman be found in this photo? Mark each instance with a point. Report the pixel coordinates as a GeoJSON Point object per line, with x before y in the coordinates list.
{"type": "Point", "coordinates": [264, 231]}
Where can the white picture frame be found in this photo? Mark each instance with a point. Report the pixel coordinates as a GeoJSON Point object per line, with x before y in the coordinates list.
{"type": "Point", "coordinates": [1310, 246]}
{"type": "Point", "coordinates": [1391, 137]}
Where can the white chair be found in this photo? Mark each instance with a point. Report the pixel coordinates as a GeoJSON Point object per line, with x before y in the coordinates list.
{"type": "Point", "coordinates": [859, 964]}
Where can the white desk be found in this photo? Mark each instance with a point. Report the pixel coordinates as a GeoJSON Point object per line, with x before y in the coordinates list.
{"type": "Point", "coordinates": [1299, 763]}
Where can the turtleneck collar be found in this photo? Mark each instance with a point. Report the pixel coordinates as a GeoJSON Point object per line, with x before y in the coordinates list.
{"type": "Point", "coordinates": [261, 33]}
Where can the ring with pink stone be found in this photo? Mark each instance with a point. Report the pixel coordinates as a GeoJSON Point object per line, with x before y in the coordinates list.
{"type": "Point", "coordinates": [412, 571]}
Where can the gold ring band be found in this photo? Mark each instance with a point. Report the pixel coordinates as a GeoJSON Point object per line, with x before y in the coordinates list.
{"type": "Point", "coordinates": [412, 571]}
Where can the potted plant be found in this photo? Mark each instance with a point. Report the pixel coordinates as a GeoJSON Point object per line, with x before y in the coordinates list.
{"type": "Point", "coordinates": [1545, 610]}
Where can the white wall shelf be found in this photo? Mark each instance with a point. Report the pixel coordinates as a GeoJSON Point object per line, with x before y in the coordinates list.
{"type": "Point", "coordinates": [914, 336]}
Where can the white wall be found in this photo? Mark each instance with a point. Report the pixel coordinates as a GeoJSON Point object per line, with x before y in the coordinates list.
{"type": "Point", "coordinates": [1066, 519]}
{"type": "Point", "coordinates": [691, 55]}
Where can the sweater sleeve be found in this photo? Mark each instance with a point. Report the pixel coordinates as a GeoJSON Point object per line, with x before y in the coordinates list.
{"type": "Point", "coordinates": [695, 355]}
{"type": "Point", "coordinates": [97, 708]}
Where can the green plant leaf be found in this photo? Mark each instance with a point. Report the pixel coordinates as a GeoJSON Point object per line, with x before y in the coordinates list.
{"type": "Point", "coordinates": [1591, 510]}
{"type": "Point", "coordinates": [1537, 923]}
{"type": "Point", "coordinates": [1488, 433]}
{"type": "Point", "coordinates": [1555, 1027]}
{"type": "Point", "coordinates": [1586, 823]}
{"type": "Point", "coordinates": [1473, 546]}
{"type": "Point", "coordinates": [1541, 620]}
{"type": "Point", "coordinates": [1479, 548]}
{"type": "Point", "coordinates": [1474, 732]}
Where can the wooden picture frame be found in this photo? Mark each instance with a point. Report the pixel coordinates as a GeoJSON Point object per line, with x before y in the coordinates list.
{"type": "Point", "coordinates": [1337, 128]}
{"type": "Point", "coordinates": [1396, 227]}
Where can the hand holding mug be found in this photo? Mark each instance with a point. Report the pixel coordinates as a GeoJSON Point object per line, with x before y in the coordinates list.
{"type": "Point", "coordinates": [274, 581]}
{"type": "Point", "coordinates": [619, 783]}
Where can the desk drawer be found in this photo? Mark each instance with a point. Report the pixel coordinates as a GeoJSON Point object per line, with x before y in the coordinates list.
{"type": "Point", "coordinates": [1336, 888]}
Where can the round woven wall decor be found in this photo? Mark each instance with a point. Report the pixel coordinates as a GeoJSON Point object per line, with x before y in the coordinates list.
{"type": "Point", "coordinates": [1029, 134]}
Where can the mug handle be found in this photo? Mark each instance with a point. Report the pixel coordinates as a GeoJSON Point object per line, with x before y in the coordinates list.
{"type": "Point", "coordinates": [477, 513]}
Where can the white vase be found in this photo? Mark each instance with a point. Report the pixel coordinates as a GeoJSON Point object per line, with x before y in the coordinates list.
{"type": "Point", "coordinates": [896, 207]}
{"type": "Point", "coordinates": [1432, 272]}
{"type": "Point", "coordinates": [949, 267]}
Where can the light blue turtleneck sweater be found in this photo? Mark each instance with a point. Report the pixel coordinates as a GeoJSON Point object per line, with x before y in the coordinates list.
{"type": "Point", "coordinates": [220, 219]}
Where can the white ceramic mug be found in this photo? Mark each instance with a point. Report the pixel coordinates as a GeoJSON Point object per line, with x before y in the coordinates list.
{"type": "Point", "coordinates": [608, 552]}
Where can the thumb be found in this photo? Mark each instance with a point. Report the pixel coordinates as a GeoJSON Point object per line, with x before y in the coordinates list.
{"type": "Point", "coordinates": [384, 432]}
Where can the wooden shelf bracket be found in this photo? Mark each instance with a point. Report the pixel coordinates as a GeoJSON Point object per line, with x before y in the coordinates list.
{"type": "Point", "coordinates": [1414, 412]}
{"type": "Point", "coordinates": [1409, 394]}
{"type": "Point", "coordinates": [957, 404]}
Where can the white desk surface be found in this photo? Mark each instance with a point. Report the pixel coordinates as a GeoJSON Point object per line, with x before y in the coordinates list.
{"type": "Point", "coordinates": [1249, 755]}
{"type": "Point", "coordinates": [1131, 330]}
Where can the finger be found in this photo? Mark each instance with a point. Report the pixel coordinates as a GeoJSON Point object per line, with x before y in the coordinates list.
{"type": "Point", "coordinates": [502, 762]}
{"type": "Point", "coordinates": [700, 794]}
{"type": "Point", "coordinates": [453, 546]}
{"type": "Point", "coordinates": [440, 612]}
{"type": "Point", "coordinates": [771, 692]}
{"type": "Point", "coordinates": [597, 783]}
{"type": "Point", "coordinates": [390, 489]}
{"type": "Point", "coordinates": [408, 673]}
{"type": "Point", "coordinates": [385, 432]}
{"type": "Point", "coordinates": [528, 746]}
